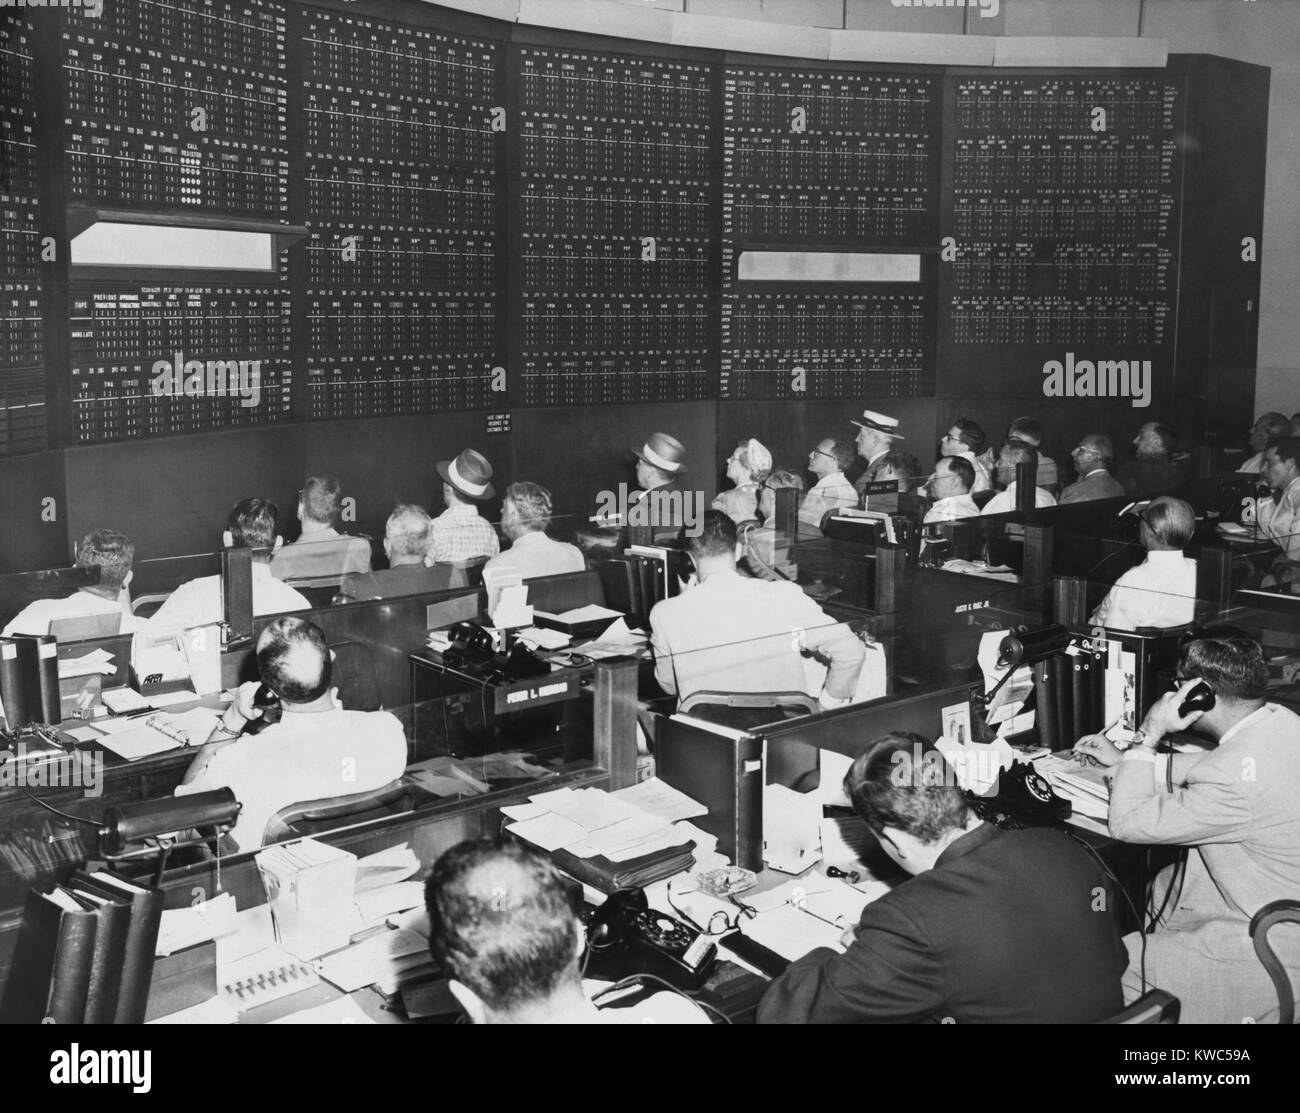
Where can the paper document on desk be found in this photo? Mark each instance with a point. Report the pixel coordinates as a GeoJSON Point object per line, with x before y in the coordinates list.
{"type": "Point", "coordinates": [212, 1011]}
{"type": "Point", "coordinates": [617, 641]}
{"type": "Point", "coordinates": [343, 1011]}
{"type": "Point", "coordinates": [537, 638]}
{"type": "Point", "coordinates": [97, 661]}
{"type": "Point", "coordinates": [376, 904]}
{"type": "Point", "coordinates": [373, 959]}
{"type": "Point", "coordinates": [658, 798]}
{"type": "Point", "coordinates": [834, 766]}
{"type": "Point", "coordinates": [122, 701]}
{"type": "Point", "coordinates": [792, 933]}
{"type": "Point", "coordinates": [388, 867]}
{"type": "Point", "coordinates": [549, 831]}
{"type": "Point", "coordinates": [141, 741]}
{"type": "Point", "coordinates": [184, 927]}
{"type": "Point", "coordinates": [590, 613]}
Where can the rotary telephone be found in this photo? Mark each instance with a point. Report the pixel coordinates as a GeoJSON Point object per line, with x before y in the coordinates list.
{"type": "Point", "coordinates": [1024, 799]}
{"type": "Point", "coordinates": [626, 936]}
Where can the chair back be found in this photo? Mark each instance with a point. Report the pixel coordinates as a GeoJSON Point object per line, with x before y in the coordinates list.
{"type": "Point", "coordinates": [1273, 913]}
{"type": "Point", "coordinates": [1153, 1007]}
{"type": "Point", "coordinates": [313, 817]}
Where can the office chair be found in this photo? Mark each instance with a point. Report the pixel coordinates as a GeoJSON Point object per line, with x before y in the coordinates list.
{"type": "Point", "coordinates": [314, 817]}
{"type": "Point", "coordinates": [142, 606]}
{"type": "Point", "coordinates": [1276, 912]}
{"type": "Point", "coordinates": [1153, 1007]}
{"type": "Point", "coordinates": [742, 710]}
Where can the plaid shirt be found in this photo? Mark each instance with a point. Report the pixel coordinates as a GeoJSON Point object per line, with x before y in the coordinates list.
{"type": "Point", "coordinates": [460, 534]}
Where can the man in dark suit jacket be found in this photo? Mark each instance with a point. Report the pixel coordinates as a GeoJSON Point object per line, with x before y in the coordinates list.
{"type": "Point", "coordinates": [995, 927]}
{"type": "Point", "coordinates": [1093, 459]}
{"type": "Point", "coordinates": [406, 540]}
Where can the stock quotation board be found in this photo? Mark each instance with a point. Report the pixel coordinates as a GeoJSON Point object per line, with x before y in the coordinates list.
{"type": "Point", "coordinates": [404, 198]}
{"type": "Point", "coordinates": [1065, 212]}
{"type": "Point", "coordinates": [817, 161]}
{"type": "Point", "coordinates": [617, 256]}
{"type": "Point", "coordinates": [22, 333]}
{"type": "Point", "coordinates": [178, 107]}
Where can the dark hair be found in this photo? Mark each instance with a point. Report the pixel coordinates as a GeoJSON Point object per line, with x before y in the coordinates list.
{"type": "Point", "coordinates": [971, 434]}
{"type": "Point", "coordinates": [293, 660]}
{"type": "Point", "coordinates": [1171, 521]}
{"type": "Point", "coordinates": [717, 535]}
{"type": "Point", "coordinates": [844, 454]}
{"type": "Point", "coordinates": [1168, 436]}
{"type": "Point", "coordinates": [1275, 424]}
{"type": "Point", "coordinates": [902, 781]}
{"type": "Point", "coordinates": [254, 523]}
{"type": "Point", "coordinates": [1229, 658]}
{"type": "Point", "coordinates": [1287, 448]}
{"type": "Point", "coordinates": [501, 922]}
{"type": "Point", "coordinates": [962, 468]}
{"type": "Point", "coordinates": [784, 477]}
{"type": "Point", "coordinates": [898, 460]}
{"type": "Point", "coordinates": [109, 551]}
{"type": "Point", "coordinates": [1019, 452]}
{"type": "Point", "coordinates": [320, 499]}
{"type": "Point", "coordinates": [1026, 428]}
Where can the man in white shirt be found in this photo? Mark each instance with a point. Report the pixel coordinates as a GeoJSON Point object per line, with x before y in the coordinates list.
{"type": "Point", "coordinates": [1093, 458]}
{"type": "Point", "coordinates": [730, 633]}
{"type": "Point", "coordinates": [1161, 591]}
{"type": "Point", "coordinates": [966, 439]}
{"type": "Point", "coordinates": [525, 516]}
{"type": "Point", "coordinates": [1235, 806]}
{"type": "Point", "coordinates": [316, 751]}
{"type": "Point", "coordinates": [504, 927]}
{"type": "Point", "coordinates": [831, 491]}
{"type": "Point", "coordinates": [253, 524]}
{"type": "Point", "coordinates": [1279, 515]}
{"type": "Point", "coordinates": [105, 550]}
{"type": "Point", "coordinates": [321, 551]}
{"type": "Point", "coordinates": [950, 487]}
{"type": "Point", "coordinates": [1011, 454]}
{"type": "Point", "coordinates": [1270, 426]}
{"type": "Point", "coordinates": [1028, 431]}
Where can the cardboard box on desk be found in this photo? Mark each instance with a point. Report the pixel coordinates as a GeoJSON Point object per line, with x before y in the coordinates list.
{"type": "Point", "coordinates": [310, 888]}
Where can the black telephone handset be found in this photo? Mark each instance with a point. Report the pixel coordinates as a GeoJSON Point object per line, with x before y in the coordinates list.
{"type": "Point", "coordinates": [470, 645]}
{"type": "Point", "coordinates": [626, 936]}
{"type": "Point", "coordinates": [269, 704]}
{"type": "Point", "coordinates": [1199, 698]}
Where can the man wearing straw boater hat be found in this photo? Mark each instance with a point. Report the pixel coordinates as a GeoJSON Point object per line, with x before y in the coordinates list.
{"type": "Point", "coordinates": [876, 435]}
{"type": "Point", "coordinates": [459, 533]}
{"type": "Point", "coordinates": [660, 472]}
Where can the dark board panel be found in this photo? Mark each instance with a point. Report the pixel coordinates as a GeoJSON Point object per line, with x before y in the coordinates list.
{"type": "Point", "coordinates": [35, 513]}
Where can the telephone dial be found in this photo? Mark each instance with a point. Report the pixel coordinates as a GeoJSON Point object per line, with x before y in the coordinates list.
{"type": "Point", "coordinates": [626, 936]}
{"type": "Point", "coordinates": [1024, 799]}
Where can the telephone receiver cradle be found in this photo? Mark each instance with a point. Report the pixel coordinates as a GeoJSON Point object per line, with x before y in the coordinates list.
{"type": "Point", "coordinates": [1024, 799]}
{"type": "Point", "coordinates": [626, 936]}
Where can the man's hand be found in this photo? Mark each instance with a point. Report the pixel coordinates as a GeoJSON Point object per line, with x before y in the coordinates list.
{"type": "Point", "coordinates": [242, 709]}
{"type": "Point", "coordinates": [1097, 749]}
{"type": "Point", "coordinates": [1163, 718]}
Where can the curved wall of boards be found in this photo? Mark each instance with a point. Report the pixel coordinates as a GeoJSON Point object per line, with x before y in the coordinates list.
{"type": "Point", "coordinates": [547, 242]}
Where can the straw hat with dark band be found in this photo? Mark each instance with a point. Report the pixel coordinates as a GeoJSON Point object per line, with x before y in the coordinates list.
{"type": "Point", "coordinates": [881, 423]}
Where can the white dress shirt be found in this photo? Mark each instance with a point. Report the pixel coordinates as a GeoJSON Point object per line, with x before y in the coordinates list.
{"type": "Point", "coordinates": [534, 554]}
{"type": "Point", "coordinates": [305, 756]}
{"type": "Point", "coordinates": [1005, 501]}
{"type": "Point", "coordinates": [983, 472]}
{"type": "Point", "coordinates": [1160, 592]}
{"type": "Point", "coordinates": [952, 508]}
{"type": "Point", "coordinates": [35, 618]}
{"type": "Point", "coordinates": [1281, 521]}
{"type": "Point", "coordinates": [199, 602]}
{"type": "Point", "coordinates": [830, 492]}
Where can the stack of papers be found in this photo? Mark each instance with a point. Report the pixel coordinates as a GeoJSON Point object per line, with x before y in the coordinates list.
{"type": "Point", "coordinates": [1083, 785]}
{"type": "Point", "coordinates": [536, 638]}
{"type": "Point", "coordinates": [657, 798]}
{"type": "Point", "coordinates": [618, 640]}
{"type": "Point", "coordinates": [588, 822]}
{"type": "Point", "coordinates": [805, 913]}
{"type": "Point", "coordinates": [375, 959]}
{"type": "Point", "coordinates": [378, 871]}
{"type": "Point", "coordinates": [97, 661]}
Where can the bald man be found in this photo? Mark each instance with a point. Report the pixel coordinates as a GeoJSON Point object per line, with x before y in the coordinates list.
{"type": "Point", "coordinates": [316, 751]}
{"type": "Point", "coordinates": [1161, 591]}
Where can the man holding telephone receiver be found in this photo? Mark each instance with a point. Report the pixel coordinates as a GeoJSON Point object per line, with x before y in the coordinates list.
{"type": "Point", "coordinates": [1237, 805]}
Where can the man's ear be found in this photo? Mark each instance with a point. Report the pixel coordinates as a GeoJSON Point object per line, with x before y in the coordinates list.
{"type": "Point", "coordinates": [388, 549]}
{"type": "Point", "coordinates": [126, 580]}
{"type": "Point", "coordinates": [890, 835]}
{"type": "Point", "coordinates": [278, 542]}
{"type": "Point", "coordinates": [228, 539]}
{"type": "Point", "coordinates": [469, 1001]}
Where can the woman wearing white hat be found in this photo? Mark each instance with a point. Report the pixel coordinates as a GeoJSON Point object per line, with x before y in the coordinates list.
{"type": "Point", "coordinates": [747, 467]}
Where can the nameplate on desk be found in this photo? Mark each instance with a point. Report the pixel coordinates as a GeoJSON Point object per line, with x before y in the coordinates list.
{"type": "Point", "coordinates": [881, 487]}
{"type": "Point", "coordinates": [536, 692]}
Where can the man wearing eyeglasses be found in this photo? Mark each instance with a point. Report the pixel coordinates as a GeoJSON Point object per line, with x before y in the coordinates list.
{"type": "Point", "coordinates": [1093, 458]}
{"type": "Point", "coordinates": [994, 926]}
{"type": "Point", "coordinates": [1279, 514]}
{"type": "Point", "coordinates": [1161, 591]}
{"type": "Point", "coordinates": [832, 491]}
{"type": "Point", "coordinates": [1236, 805]}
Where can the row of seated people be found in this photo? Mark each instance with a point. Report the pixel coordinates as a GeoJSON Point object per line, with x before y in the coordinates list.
{"type": "Point", "coordinates": [992, 925]}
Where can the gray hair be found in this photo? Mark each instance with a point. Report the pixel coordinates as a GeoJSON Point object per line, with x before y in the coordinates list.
{"type": "Point", "coordinates": [407, 531]}
{"type": "Point", "coordinates": [532, 503]}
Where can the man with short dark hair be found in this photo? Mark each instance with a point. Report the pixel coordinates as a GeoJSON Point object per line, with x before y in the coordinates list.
{"type": "Point", "coordinates": [316, 751]}
{"type": "Point", "coordinates": [108, 556]}
{"type": "Point", "coordinates": [525, 516]}
{"type": "Point", "coordinates": [406, 540]}
{"type": "Point", "coordinates": [994, 926]}
{"type": "Point", "coordinates": [1153, 472]}
{"type": "Point", "coordinates": [252, 524]}
{"type": "Point", "coordinates": [1011, 454]}
{"type": "Point", "coordinates": [1235, 805]}
{"type": "Point", "coordinates": [950, 487]}
{"type": "Point", "coordinates": [901, 467]}
{"type": "Point", "coordinates": [730, 633]}
{"type": "Point", "coordinates": [967, 439]}
{"type": "Point", "coordinates": [1093, 458]}
{"type": "Point", "coordinates": [321, 551]}
{"type": "Point", "coordinates": [1270, 427]}
{"type": "Point", "coordinates": [503, 927]}
{"type": "Point", "coordinates": [832, 491]}
{"type": "Point", "coordinates": [1161, 591]}
{"type": "Point", "coordinates": [1279, 515]}
{"type": "Point", "coordinates": [1029, 431]}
